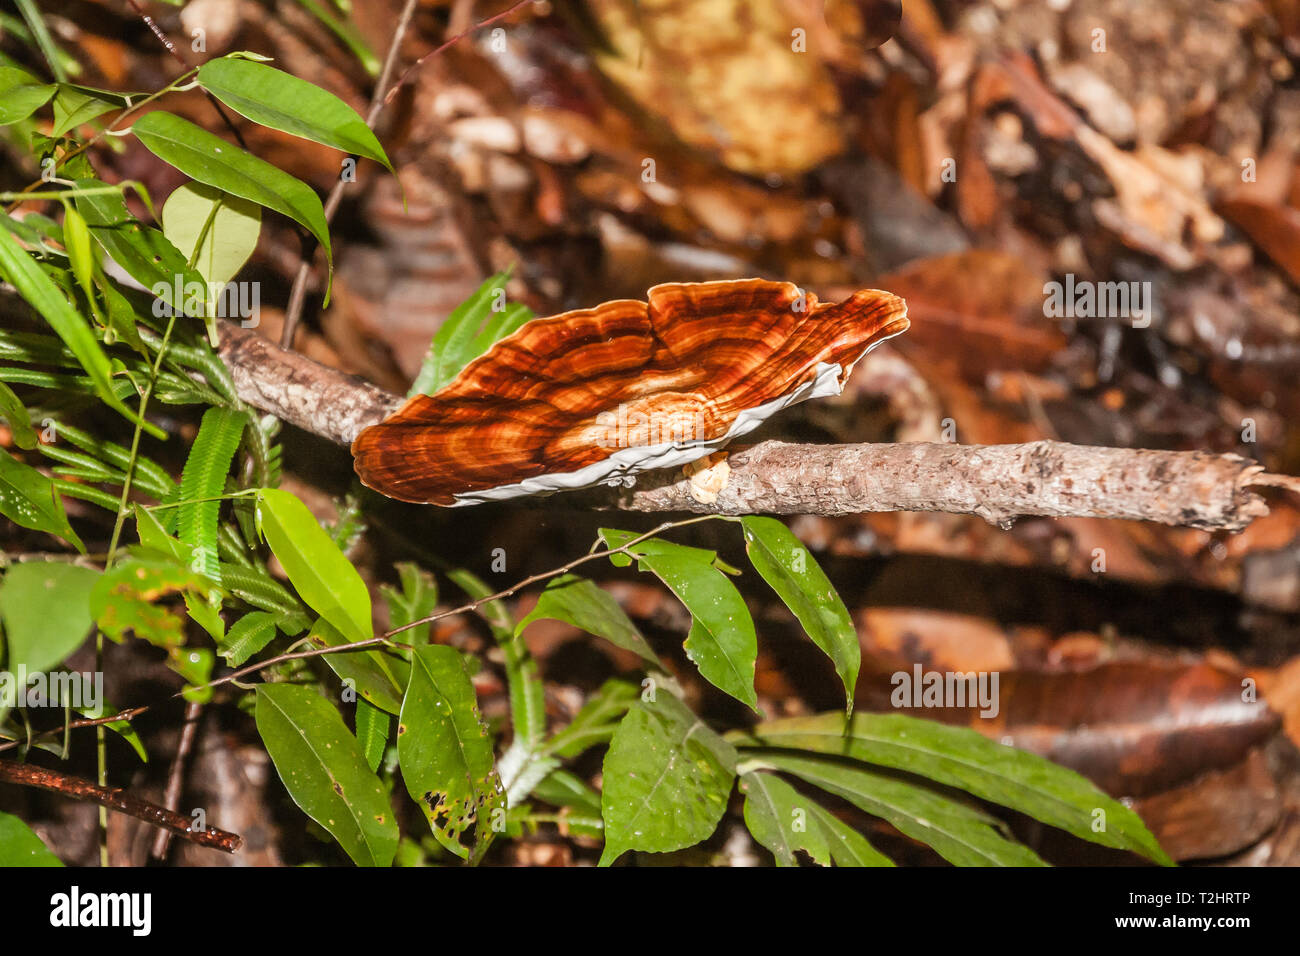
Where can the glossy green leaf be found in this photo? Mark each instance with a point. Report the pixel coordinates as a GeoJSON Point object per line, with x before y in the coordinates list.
{"type": "Point", "coordinates": [964, 759]}
{"type": "Point", "coordinates": [81, 255]}
{"type": "Point", "coordinates": [281, 101]}
{"type": "Point", "coordinates": [471, 329]}
{"type": "Point", "coordinates": [46, 612]}
{"type": "Point", "coordinates": [722, 642]}
{"type": "Point", "coordinates": [445, 752]}
{"type": "Point", "coordinates": [667, 778]}
{"type": "Point", "coordinates": [144, 253]}
{"type": "Point", "coordinates": [203, 481]}
{"type": "Point", "coordinates": [325, 772]}
{"type": "Point", "coordinates": [75, 105]}
{"type": "Point", "coordinates": [323, 577]}
{"type": "Point", "coordinates": [585, 605]}
{"type": "Point", "coordinates": [19, 846]}
{"type": "Point", "coordinates": [21, 94]}
{"type": "Point", "coordinates": [777, 816]}
{"type": "Point", "coordinates": [785, 564]}
{"type": "Point", "coordinates": [847, 846]}
{"type": "Point", "coordinates": [962, 834]}
{"type": "Point", "coordinates": [28, 499]}
{"type": "Point", "coordinates": [210, 159]}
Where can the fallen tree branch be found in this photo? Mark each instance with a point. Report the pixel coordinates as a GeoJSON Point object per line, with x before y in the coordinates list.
{"type": "Point", "coordinates": [997, 482]}
{"type": "Point", "coordinates": [114, 799]}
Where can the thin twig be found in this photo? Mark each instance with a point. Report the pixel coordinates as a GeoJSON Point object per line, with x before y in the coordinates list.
{"type": "Point", "coordinates": [117, 799]}
{"type": "Point", "coordinates": [298, 292]}
{"type": "Point", "coordinates": [171, 48]}
{"type": "Point", "coordinates": [176, 777]}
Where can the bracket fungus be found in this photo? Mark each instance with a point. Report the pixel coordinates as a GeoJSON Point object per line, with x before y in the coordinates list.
{"type": "Point", "coordinates": [595, 396]}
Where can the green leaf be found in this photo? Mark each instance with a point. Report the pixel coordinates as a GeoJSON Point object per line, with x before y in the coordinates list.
{"type": "Point", "coordinates": [75, 105]}
{"type": "Point", "coordinates": [962, 834]}
{"type": "Point", "coordinates": [777, 816]}
{"type": "Point", "coordinates": [46, 611]}
{"type": "Point", "coordinates": [19, 846]}
{"type": "Point", "coordinates": [44, 296]}
{"type": "Point", "coordinates": [21, 94]}
{"type": "Point", "coordinates": [583, 604]}
{"type": "Point", "coordinates": [27, 498]}
{"type": "Point", "coordinates": [154, 536]}
{"type": "Point", "coordinates": [323, 577]}
{"type": "Point", "coordinates": [373, 726]}
{"type": "Point", "coordinates": [666, 780]}
{"type": "Point", "coordinates": [848, 847]}
{"type": "Point", "coordinates": [786, 565]}
{"type": "Point", "coordinates": [281, 101]}
{"type": "Point", "coordinates": [721, 642]}
{"type": "Point", "coordinates": [202, 481]}
{"type": "Point", "coordinates": [445, 752]}
{"type": "Point", "coordinates": [144, 253]}
{"type": "Point", "coordinates": [247, 636]}
{"type": "Point", "coordinates": [325, 772]}
{"type": "Point", "coordinates": [81, 255]}
{"type": "Point", "coordinates": [210, 159]}
{"type": "Point", "coordinates": [15, 415]}
{"type": "Point", "coordinates": [231, 236]}
{"type": "Point", "coordinates": [377, 676]}
{"type": "Point", "coordinates": [964, 759]}
{"type": "Point", "coordinates": [471, 329]}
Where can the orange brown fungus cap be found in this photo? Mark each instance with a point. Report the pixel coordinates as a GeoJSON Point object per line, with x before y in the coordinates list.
{"type": "Point", "coordinates": [596, 395]}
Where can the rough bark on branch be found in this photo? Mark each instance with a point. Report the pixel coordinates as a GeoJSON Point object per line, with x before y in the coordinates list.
{"type": "Point", "coordinates": [997, 482]}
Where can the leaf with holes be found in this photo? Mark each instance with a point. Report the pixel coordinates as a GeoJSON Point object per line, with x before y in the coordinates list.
{"type": "Point", "coordinates": [445, 752]}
